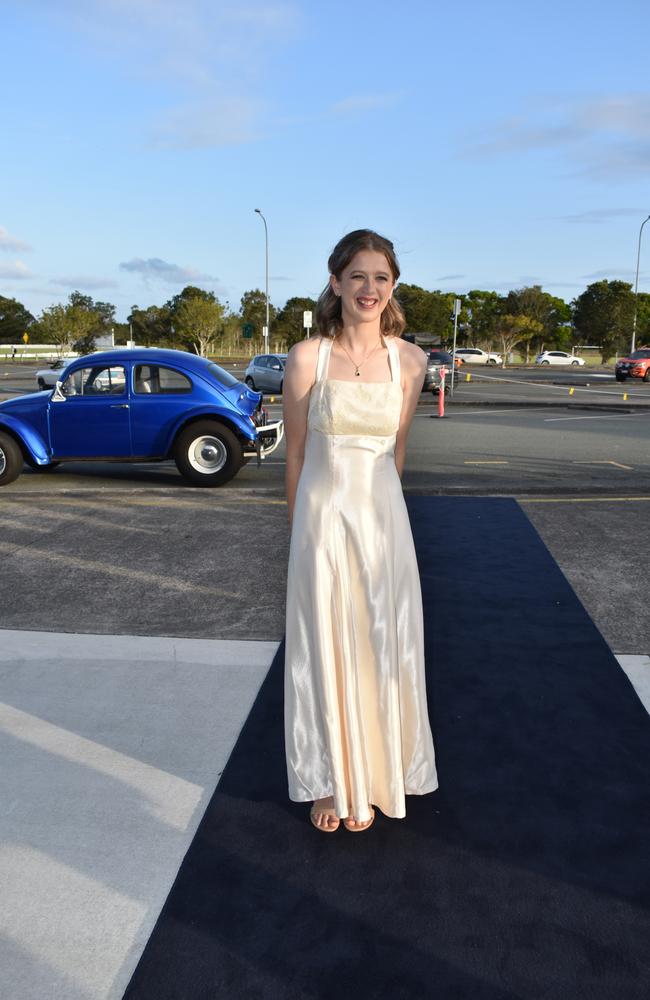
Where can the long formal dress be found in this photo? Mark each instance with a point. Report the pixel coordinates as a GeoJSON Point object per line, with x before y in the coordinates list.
{"type": "Point", "coordinates": [355, 708]}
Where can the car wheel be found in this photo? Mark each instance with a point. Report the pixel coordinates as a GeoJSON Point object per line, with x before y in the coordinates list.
{"type": "Point", "coordinates": [574, 363]}
{"type": "Point", "coordinates": [41, 384]}
{"type": "Point", "coordinates": [620, 378]}
{"type": "Point", "coordinates": [250, 383]}
{"type": "Point", "coordinates": [207, 453]}
{"type": "Point", "coordinates": [646, 377]}
{"type": "Point", "coordinates": [491, 361]}
{"type": "Point", "coordinates": [11, 460]}
{"type": "Point", "coordinates": [545, 362]}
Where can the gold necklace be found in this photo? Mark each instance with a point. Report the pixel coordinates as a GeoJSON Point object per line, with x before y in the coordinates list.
{"type": "Point", "coordinates": [357, 366]}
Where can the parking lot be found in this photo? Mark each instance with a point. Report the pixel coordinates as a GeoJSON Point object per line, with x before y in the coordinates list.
{"type": "Point", "coordinates": [98, 547]}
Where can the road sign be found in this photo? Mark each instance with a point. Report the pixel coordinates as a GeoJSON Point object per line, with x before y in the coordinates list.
{"type": "Point", "coordinates": [306, 319]}
{"type": "Point", "coordinates": [248, 329]}
{"type": "Point", "coordinates": [25, 338]}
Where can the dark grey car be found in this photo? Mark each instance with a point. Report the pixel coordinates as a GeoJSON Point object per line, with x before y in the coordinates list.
{"type": "Point", "coordinates": [265, 373]}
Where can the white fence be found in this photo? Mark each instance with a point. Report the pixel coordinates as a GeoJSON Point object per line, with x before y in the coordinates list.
{"type": "Point", "coordinates": [25, 352]}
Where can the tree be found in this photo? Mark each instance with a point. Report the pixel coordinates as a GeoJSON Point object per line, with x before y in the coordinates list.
{"type": "Point", "coordinates": [425, 311]}
{"type": "Point", "coordinates": [152, 325]}
{"type": "Point", "coordinates": [52, 328]}
{"type": "Point", "coordinates": [199, 320]}
{"type": "Point", "coordinates": [288, 323]}
{"type": "Point", "coordinates": [514, 330]}
{"type": "Point", "coordinates": [15, 320]}
{"type": "Point", "coordinates": [552, 313]}
{"type": "Point", "coordinates": [253, 310]}
{"type": "Point", "coordinates": [603, 315]}
{"type": "Point", "coordinates": [484, 310]}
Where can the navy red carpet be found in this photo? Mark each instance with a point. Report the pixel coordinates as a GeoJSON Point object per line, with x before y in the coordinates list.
{"type": "Point", "coordinates": [526, 875]}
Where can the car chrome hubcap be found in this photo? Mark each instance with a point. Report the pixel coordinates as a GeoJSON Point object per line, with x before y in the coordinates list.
{"type": "Point", "coordinates": [3, 461]}
{"type": "Point", "coordinates": [207, 454]}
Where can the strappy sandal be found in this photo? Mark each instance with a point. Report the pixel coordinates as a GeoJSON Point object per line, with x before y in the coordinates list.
{"type": "Point", "coordinates": [357, 828]}
{"type": "Point", "coordinates": [328, 811]}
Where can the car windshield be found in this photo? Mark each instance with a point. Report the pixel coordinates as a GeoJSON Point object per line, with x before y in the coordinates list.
{"type": "Point", "coordinates": [221, 375]}
{"type": "Point", "coordinates": [637, 355]}
{"type": "Point", "coordinates": [439, 356]}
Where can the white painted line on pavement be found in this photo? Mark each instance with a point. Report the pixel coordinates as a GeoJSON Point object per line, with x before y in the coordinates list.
{"type": "Point", "coordinates": [637, 669]}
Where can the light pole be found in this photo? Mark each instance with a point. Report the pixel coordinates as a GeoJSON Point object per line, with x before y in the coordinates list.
{"type": "Point", "coordinates": [636, 286]}
{"type": "Point", "coordinates": [266, 328]}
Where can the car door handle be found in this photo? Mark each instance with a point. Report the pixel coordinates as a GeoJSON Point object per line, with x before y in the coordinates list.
{"type": "Point", "coordinates": [119, 406]}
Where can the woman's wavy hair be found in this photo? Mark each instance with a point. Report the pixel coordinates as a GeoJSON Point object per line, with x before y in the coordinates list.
{"type": "Point", "coordinates": [329, 320]}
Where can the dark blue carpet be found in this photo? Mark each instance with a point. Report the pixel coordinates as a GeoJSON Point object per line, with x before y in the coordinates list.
{"type": "Point", "coordinates": [525, 875]}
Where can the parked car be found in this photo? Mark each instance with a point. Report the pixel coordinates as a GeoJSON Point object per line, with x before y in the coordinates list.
{"type": "Point", "coordinates": [266, 372]}
{"type": "Point", "coordinates": [435, 361]}
{"type": "Point", "coordinates": [140, 405]}
{"type": "Point", "coordinates": [47, 378]}
{"type": "Point", "coordinates": [635, 365]}
{"type": "Point", "coordinates": [475, 356]}
{"type": "Point", "coordinates": [558, 358]}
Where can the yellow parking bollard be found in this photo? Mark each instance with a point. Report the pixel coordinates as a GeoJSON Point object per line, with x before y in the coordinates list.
{"type": "Point", "coordinates": [571, 391]}
{"type": "Point", "coordinates": [624, 396]}
{"type": "Point", "coordinates": [468, 377]}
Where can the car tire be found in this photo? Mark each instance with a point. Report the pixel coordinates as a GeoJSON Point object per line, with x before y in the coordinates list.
{"type": "Point", "coordinates": [491, 361]}
{"type": "Point", "coordinates": [11, 459]}
{"type": "Point", "coordinates": [545, 362]}
{"type": "Point", "coordinates": [620, 378]}
{"type": "Point", "coordinates": [250, 383]}
{"type": "Point", "coordinates": [646, 377]}
{"type": "Point", "coordinates": [207, 453]}
{"type": "Point", "coordinates": [574, 363]}
{"type": "Point", "coordinates": [41, 384]}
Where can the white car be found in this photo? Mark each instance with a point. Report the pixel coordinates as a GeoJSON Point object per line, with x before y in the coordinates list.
{"type": "Point", "coordinates": [558, 358]}
{"type": "Point", "coordinates": [475, 356]}
{"type": "Point", "coordinates": [48, 377]}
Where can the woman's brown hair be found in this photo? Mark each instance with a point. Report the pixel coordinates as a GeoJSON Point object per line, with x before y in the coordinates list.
{"type": "Point", "coordinates": [329, 320]}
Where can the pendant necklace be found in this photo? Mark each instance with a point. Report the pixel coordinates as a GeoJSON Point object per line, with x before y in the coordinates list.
{"type": "Point", "coordinates": [357, 366]}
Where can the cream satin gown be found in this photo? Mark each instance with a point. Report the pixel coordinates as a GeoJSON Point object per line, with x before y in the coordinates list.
{"type": "Point", "coordinates": [355, 708]}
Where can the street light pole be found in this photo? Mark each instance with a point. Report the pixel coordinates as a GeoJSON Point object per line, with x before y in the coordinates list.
{"type": "Point", "coordinates": [636, 285]}
{"type": "Point", "coordinates": [266, 328]}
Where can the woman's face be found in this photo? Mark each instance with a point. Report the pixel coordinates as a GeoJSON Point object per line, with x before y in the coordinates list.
{"type": "Point", "coordinates": [365, 287]}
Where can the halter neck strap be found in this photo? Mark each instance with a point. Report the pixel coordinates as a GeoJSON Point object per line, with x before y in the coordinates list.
{"type": "Point", "coordinates": [325, 349]}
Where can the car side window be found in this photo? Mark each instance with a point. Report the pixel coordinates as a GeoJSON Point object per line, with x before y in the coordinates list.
{"type": "Point", "coordinates": [102, 380]}
{"type": "Point", "coordinates": [262, 361]}
{"type": "Point", "coordinates": [158, 380]}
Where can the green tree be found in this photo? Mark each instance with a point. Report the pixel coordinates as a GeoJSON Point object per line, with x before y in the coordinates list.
{"type": "Point", "coordinates": [484, 310]}
{"type": "Point", "coordinates": [424, 311]}
{"type": "Point", "coordinates": [253, 310]}
{"type": "Point", "coordinates": [199, 320]}
{"type": "Point", "coordinates": [287, 326]}
{"type": "Point", "coordinates": [151, 326]}
{"type": "Point", "coordinates": [15, 320]}
{"type": "Point", "coordinates": [603, 315]}
{"type": "Point", "coordinates": [515, 330]}
{"type": "Point", "coordinates": [52, 327]}
{"type": "Point", "coordinates": [553, 315]}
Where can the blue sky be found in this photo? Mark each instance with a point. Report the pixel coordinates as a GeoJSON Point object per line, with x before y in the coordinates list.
{"type": "Point", "coordinates": [496, 144]}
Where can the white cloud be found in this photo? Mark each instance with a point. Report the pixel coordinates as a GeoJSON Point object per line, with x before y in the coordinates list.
{"type": "Point", "coordinates": [84, 281]}
{"type": "Point", "coordinates": [205, 62]}
{"type": "Point", "coordinates": [607, 138]}
{"type": "Point", "coordinates": [161, 270]}
{"type": "Point", "coordinates": [363, 102]}
{"type": "Point", "coordinates": [10, 244]}
{"type": "Point", "coordinates": [17, 271]}
{"type": "Point", "coordinates": [596, 216]}
{"type": "Point", "coordinates": [230, 121]}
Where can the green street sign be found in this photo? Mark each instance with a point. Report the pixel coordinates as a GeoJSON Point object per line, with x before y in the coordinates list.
{"type": "Point", "coordinates": [248, 329]}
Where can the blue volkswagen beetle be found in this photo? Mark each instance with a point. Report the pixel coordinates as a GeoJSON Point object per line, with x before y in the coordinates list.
{"type": "Point", "coordinates": [140, 405]}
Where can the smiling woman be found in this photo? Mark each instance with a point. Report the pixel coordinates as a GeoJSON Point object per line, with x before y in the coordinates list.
{"type": "Point", "coordinates": [357, 731]}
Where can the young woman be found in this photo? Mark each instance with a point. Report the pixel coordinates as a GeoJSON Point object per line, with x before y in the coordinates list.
{"type": "Point", "coordinates": [357, 731]}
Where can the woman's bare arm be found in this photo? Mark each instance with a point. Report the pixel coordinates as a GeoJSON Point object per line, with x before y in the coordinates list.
{"type": "Point", "coordinates": [413, 366]}
{"type": "Point", "coordinates": [299, 374]}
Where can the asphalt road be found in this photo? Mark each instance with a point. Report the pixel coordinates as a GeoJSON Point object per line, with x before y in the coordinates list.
{"type": "Point", "coordinates": [133, 549]}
